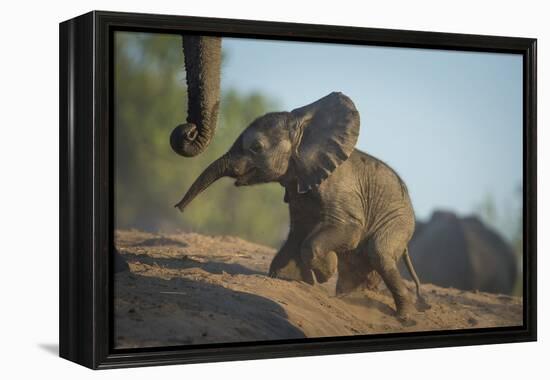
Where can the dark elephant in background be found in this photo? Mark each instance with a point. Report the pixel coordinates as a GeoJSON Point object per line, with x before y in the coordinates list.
{"type": "Point", "coordinates": [463, 253]}
{"type": "Point", "coordinates": [348, 210]}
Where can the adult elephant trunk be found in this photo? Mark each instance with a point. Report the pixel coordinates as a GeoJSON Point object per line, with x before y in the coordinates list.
{"type": "Point", "coordinates": [218, 169]}
{"type": "Point", "coordinates": [202, 65]}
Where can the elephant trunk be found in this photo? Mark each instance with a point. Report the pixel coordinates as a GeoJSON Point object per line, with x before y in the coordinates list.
{"type": "Point", "coordinates": [216, 170]}
{"type": "Point", "coordinates": [202, 65]}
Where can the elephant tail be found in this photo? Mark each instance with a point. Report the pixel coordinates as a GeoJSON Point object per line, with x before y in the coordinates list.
{"type": "Point", "coordinates": [421, 302]}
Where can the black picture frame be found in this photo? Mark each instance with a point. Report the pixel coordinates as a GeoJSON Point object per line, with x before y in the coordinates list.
{"type": "Point", "coordinates": [86, 184]}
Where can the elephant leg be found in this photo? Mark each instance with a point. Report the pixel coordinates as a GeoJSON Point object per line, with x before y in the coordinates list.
{"type": "Point", "coordinates": [373, 280]}
{"type": "Point", "coordinates": [287, 263]}
{"type": "Point", "coordinates": [350, 277]}
{"type": "Point", "coordinates": [318, 251]}
{"type": "Point", "coordinates": [385, 250]}
{"type": "Point", "coordinates": [355, 272]}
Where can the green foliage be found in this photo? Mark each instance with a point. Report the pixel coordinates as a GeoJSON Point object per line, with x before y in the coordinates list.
{"type": "Point", "coordinates": [504, 217]}
{"type": "Point", "coordinates": [508, 221]}
{"type": "Point", "coordinates": [488, 210]}
{"type": "Point", "coordinates": [150, 100]}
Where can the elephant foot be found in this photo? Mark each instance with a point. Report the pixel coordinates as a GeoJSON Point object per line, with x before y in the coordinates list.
{"type": "Point", "coordinates": [310, 278]}
{"type": "Point", "coordinates": [373, 280]}
{"type": "Point", "coordinates": [405, 311]}
{"type": "Point", "coordinates": [291, 271]}
{"type": "Point", "coordinates": [288, 275]}
{"type": "Point", "coordinates": [324, 267]}
{"type": "Point", "coordinates": [422, 305]}
{"type": "Point", "coordinates": [406, 321]}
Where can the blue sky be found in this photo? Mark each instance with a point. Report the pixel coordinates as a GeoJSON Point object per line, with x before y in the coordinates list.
{"type": "Point", "coordinates": [449, 122]}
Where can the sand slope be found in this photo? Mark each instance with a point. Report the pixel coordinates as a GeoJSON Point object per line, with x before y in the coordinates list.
{"type": "Point", "coordinates": [193, 289]}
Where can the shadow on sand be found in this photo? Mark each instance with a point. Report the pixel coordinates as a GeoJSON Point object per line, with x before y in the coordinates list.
{"type": "Point", "coordinates": [214, 267]}
{"type": "Point", "coordinates": [152, 311]}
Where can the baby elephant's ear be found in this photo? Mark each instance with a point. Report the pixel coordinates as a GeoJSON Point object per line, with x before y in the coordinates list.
{"type": "Point", "coordinates": [324, 135]}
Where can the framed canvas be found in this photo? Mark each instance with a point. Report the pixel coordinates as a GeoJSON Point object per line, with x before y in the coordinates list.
{"type": "Point", "coordinates": [337, 189]}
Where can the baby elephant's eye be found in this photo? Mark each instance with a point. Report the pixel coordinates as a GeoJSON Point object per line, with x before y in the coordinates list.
{"type": "Point", "coordinates": [256, 147]}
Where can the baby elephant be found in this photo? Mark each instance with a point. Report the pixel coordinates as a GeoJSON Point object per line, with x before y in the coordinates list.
{"type": "Point", "coordinates": [348, 210]}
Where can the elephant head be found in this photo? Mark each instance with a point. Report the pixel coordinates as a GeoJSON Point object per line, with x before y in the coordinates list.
{"type": "Point", "coordinates": [300, 148]}
{"type": "Point", "coordinates": [202, 65]}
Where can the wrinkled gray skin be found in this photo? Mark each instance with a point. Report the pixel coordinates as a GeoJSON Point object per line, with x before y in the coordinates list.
{"type": "Point", "coordinates": [348, 210]}
{"type": "Point", "coordinates": [202, 56]}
